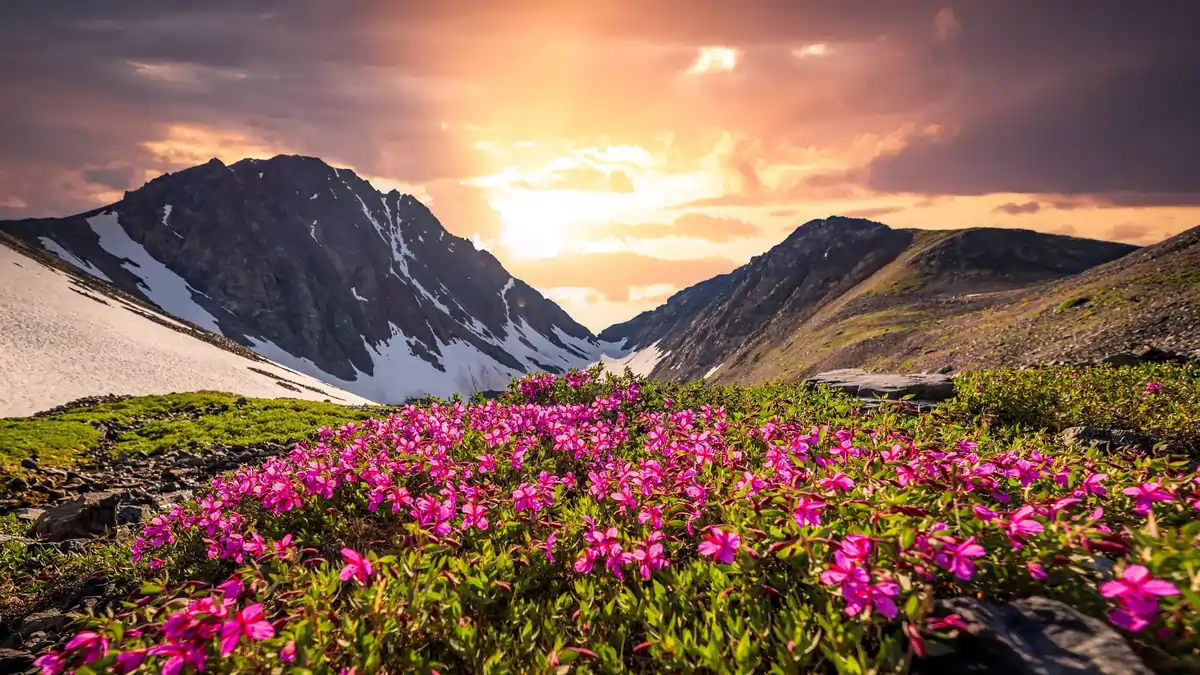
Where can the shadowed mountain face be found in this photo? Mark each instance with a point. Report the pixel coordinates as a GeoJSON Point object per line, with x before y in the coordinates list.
{"type": "Point", "coordinates": [812, 301]}
{"type": "Point", "coordinates": [311, 266]}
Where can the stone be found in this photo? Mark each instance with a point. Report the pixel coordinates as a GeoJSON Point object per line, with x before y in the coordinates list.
{"type": "Point", "coordinates": [130, 514]}
{"type": "Point", "coordinates": [1110, 439]}
{"type": "Point", "coordinates": [29, 463]}
{"type": "Point", "coordinates": [857, 382]}
{"type": "Point", "coordinates": [84, 517]}
{"type": "Point", "coordinates": [47, 621]}
{"type": "Point", "coordinates": [29, 514]}
{"type": "Point", "coordinates": [1144, 354]}
{"type": "Point", "coordinates": [15, 661]}
{"type": "Point", "coordinates": [1032, 636]}
{"type": "Point", "coordinates": [18, 485]}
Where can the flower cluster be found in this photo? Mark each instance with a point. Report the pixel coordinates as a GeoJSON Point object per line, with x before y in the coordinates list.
{"type": "Point", "coordinates": [629, 488]}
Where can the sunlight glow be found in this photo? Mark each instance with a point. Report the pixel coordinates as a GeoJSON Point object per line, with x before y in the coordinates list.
{"type": "Point", "coordinates": [816, 50]}
{"type": "Point", "coordinates": [712, 59]}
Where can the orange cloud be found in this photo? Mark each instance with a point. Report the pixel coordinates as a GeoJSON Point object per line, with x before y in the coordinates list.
{"type": "Point", "coordinates": [695, 225]}
{"type": "Point", "coordinates": [613, 275]}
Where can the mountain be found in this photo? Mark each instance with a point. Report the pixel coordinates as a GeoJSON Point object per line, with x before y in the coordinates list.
{"type": "Point", "coordinates": [68, 335]}
{"type": "Point", "coordinates": [847, 292]}
{"type": "Point", "coordinates": [312, 267]}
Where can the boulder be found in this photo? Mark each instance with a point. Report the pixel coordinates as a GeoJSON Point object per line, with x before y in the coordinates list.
{"type": "Point", "coordinates": [85, 516]}
{"type": "Point", "coordinates": [1033, 636]}
{"type": "Point", "coordinates": [15, 661]}
{"type": "Point", "coordinates": [47, 621]}
{"type": "Point", "coordinates": [857, 382]}
{"type": "Point", "coordinates": [1144, 354]}
{"type": "Point", "coordinates": [1109, 439]}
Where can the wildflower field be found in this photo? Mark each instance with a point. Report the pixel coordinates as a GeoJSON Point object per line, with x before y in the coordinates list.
{"type": "Point", "coordinates": [591, 523]}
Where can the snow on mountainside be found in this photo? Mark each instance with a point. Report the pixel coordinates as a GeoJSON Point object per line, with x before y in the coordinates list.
{"type": "Point", "coordinates": [64, 339]}
{"type": "Point", "coordinates": [312, 267]}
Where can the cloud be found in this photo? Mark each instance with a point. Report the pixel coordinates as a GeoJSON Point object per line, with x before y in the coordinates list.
{"type": "Point", "coordinates": [784, 213]}
{"type": "Point", "coordinates": [874, 212]}
{"type": "Point", "coordinates": [946, 26]}
{"type": "Point", "coordinates": [114, 177]}
{"type": "Point", "coordinates": [614, 274]}
{"type": "Point", "coordinates": [464, 210]}
{"type": "Point", "coordinates": [694, 225]}
{"type": "Point", "coordinates": [1081, 136]}
{"type": "Point", "coordinates": [583, 178]}
{"type": "Point", "coordinates": [1015, 209]}
{"type": "Point", "coordinates": [1132, 233]}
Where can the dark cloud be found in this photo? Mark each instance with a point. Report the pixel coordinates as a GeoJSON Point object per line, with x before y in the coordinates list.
{"type": "Point", "coordinates": [1121, 128]}
{"type": "Point", "coordinates": [612, 274]}
{"type": "Point", "coordinates": [872, 212]}
{"type": "Point", "coordinates": [116, 178]}
{"type": "Point", "coordinates": [1015, 209]}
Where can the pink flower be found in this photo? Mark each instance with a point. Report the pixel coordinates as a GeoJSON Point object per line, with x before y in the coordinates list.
{"type": "Point", "coordinates": [1036, 570]}
{"type": "Point", "coordinates": [549, 546]}
{"type": "Point", "coordinates": [357, 566]}
{"type": "Point", "coordinates": [51, 664]}
{"type": "Point", "coordinates": [1152, 388]}
{"type": "Point", "coordinates": [1021, 524]}
{"type": "Point", "coordinates": [720, 545]}
{"type": "Point", "coordinates": [1137, 594]}
{"type": "Point", "coordinates": [808, 511]}
{"type": "Point", "coordinates": [288, 653]}
{"type": "Point", "coordinates": [250, 622]}
{"type": "Point", "coordinates": [650, 555]}
{"type": "Point", "coordinates": [127, 662]}
{"type": "Point", "coordinates": [474, 516]}
{"type": "Point", "coordinates": [860, 597]}
{"type": "Point", "coordinates": [844, 570]}
{"type": "Point", "coordinates": [1145, 495]}
{"type": "Point", "coordinates": [838, 481]}
{"type": "Point", "coordinates": [856, 547]}
{"type": "Point", "coordinates": [983, 513]}
{"type": "Point", "coordinates": [956, 557]}
{"type": "Point", "coordinates": [1091, 484]}
{"type": "Point", "coordinates": [89, 644]}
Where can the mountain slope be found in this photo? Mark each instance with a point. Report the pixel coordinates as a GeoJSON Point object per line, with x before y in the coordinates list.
{"type": "Point", "coordinates": [311, 266]}
{"type": "Point", "coordinates": [834, 285]}
{"type": "Point", "coordinates": [67, 336]}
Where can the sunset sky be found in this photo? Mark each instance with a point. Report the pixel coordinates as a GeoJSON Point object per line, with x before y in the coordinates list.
{"type": "Point", "coordinates": [611, 152]}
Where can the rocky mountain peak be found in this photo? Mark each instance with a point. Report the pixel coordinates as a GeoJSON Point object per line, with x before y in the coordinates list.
{"type": "Point", "coordinates": [311, 266]}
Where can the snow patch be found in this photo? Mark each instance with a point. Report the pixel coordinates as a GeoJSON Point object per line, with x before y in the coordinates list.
{"type": "Point", "coordinates": [162, 286]}
{"type": "Point", "coordinates": [641, 361]}
{"type": "Point", "coordinates": [52, 246]}
{"type": "Point", "coordinates": [712, 371]}
{"type": "Point", "coordinates": [58, 346]}
{"type": "Point", "coordinates": [356, 295]}
{"type": "Point", "coordinates": [312, 231]}
{"type": "Point", "coordinates": [166, 219]}
{"type": "Point", "coordinates": [312, 197]}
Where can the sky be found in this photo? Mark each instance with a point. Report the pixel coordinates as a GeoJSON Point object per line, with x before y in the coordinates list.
{"type": "Point", "coordinates": [612, 153]}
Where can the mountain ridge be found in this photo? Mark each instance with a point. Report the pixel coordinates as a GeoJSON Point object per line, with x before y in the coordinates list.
{"type": "Point", "coordinates": [310, 266]}
{"type": "Point", "coordinates": [878, 298]}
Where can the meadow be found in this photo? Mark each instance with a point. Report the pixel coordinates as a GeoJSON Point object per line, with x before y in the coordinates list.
{"type": "Point", "coordinates": [592, 523]}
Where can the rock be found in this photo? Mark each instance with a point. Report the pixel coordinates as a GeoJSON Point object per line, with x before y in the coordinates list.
{"type": "Point", "coordinates": [945, 370]}
{"type": "Point", "coordinates": [1033, 636]}
{"type": "Point", "coordinates": [18, 485]}
{"type": "Point", "coordinates": [1111, 439]}
{"type": "Point", "coordinates": [857, 382]}
{"type": "Point", "coordinates": [29, 514]}
{"type": "Point", "coordinates": [83, 517]}
{"type": "Point", "coordinates": [1144, 354]}
{"type": "Point", "coordinates": [47, 621]}
{"type": "Point", "coordinates": [130, 514]}
{"type": "Point", "coordinates": [15, 661]}
{"type": "Point", "coordinates": [29, 463]}
{"type": "Point", "coordinates": [13, 641]}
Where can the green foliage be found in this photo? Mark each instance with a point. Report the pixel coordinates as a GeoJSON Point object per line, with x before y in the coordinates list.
{"type": "Point", "coordinates": [1055, 398]}
{"type": "Point", "coordinates": [1073, 302]}
{"type": "Point", "coordinates": [55, 442]}
{"type": "Point", "coordinates": [494, 601]}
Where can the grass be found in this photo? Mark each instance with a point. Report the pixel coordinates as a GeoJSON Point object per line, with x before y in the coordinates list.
{"type": "Point", "coordinates": [54, 442]}
{"type": "Point", "coordinates": [1071, 303]}
{"type": "Point", "coordinates": [492, 601]}
{"type": "Point", "coordinates": [151, 424]}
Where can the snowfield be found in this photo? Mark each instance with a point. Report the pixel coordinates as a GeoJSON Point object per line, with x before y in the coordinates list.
{"type": "Point", "coordinates": [60, 341]}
